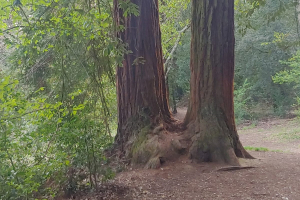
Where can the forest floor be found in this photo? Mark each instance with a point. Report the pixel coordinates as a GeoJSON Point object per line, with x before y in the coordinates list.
{"type": "Point", "coordinates": [275, 143]}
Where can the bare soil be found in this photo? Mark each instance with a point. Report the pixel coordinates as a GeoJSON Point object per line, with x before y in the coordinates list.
{"type": "Point", "coordinates": [276, 172]}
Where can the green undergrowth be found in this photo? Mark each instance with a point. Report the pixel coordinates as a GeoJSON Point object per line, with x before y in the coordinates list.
{"type": "Point", "coordinates": [49, 148]}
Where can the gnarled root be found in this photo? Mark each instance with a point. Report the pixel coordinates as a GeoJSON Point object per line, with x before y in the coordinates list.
{"type": "Point", "coordinates": [152, 147]}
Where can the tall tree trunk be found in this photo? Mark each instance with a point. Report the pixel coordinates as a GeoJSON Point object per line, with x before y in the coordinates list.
{"type": "Point", "coordinates": [210, 115]}
{"type": "Point", "coordinates": [141, 88]}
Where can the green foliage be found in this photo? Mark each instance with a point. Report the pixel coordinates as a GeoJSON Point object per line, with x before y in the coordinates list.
{"type": "Point", "coordinates": [41, 143]}
{"type": "Point", "coordinates": [22, 171]}
{"type": "Point", "coordinates": [179, 76]}
{"type": "Point", "coordinates": [128, 8]}
{"type": "Point", "coordinates": [291, 74]}
{"type": "Point", "coordinates": [175, 23]}
{"type": "Point", "coordinates": [258, 52]}
{"type": "Point", "coordinates": [241, 102]}
{"type": "Point", "coordinates": [243, 12]}
{"type": "Point", "coordinates": [58, 119]}
{"type": "Point", "coordinates": [174, 16]}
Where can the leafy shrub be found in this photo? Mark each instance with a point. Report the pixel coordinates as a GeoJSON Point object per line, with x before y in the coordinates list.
{"type": "Point", "coordinates": [290, 77]}
{"type": "Point", "coordinates": [47, 147]}
{"type": "Point", "coordinates": [241, 100]}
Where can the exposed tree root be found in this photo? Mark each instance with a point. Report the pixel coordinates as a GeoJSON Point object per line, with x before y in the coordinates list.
{"type": "Point", "coordinates": [233, 168]}
{"type": "Point", "coordinates": [211, 141]}
{"type": "Point", "coordinates": [152, 147]}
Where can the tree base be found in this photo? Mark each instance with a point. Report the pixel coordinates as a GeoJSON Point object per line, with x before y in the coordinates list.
{"type": "Point", "coordinates": [213, 141]}
{"type": "Point", "coordinates": [210, 141]}
{"type": "Point", "coordinates": [212, 149]}
{"type": "Point", "coordinates": [152, 147]}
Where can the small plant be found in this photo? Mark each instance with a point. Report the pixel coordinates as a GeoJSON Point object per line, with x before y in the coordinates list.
{"type": "Point", "coordinates": [263, 149]}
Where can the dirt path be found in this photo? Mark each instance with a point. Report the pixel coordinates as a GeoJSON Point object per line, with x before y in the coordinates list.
{"type": "Point", "coordinates": [271, 179]}
{"type": "Point", "coordinates": [276, 135]}
{"type": "Point", "coordinates": [180, 113]}
{"type": "Point", "coordinates": [276, 174]}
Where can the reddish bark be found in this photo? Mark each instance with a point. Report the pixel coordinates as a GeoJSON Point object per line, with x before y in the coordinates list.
{"type": "Point", "coordinates": [210, 114]}
{"type": "Point", "coordinates": [141, 88]}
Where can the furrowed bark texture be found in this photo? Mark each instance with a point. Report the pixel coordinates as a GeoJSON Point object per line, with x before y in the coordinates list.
{"type": "Point", "coordinates": [210, 114]}
{"type": "Point", "coordinates": [298, 16]}
{"type": "Point", "coordinates": [141, 89]}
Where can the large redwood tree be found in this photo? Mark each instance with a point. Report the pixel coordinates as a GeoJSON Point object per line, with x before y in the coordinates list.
{"type": "Point", "coordinates": [141, 88]}
{"type": "Point", "coordinates": [210, 116]}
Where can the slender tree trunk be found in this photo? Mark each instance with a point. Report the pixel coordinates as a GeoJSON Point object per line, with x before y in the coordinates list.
{"type": "Point", "coordinates": [174, 99]}
{"type": "Point", "coordinates": [141, 88]}
{"type": "Point", "coordinates": [210, 115]}
{"type": "Point", "coordinates": [297, 12]}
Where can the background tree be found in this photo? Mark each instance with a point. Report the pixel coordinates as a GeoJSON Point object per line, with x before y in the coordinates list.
{"type": "Point", "coordinates": [267, 40]}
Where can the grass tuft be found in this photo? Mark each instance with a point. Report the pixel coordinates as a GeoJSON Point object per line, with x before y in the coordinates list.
{"type": "Point", "coordinates": [256, 149]}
